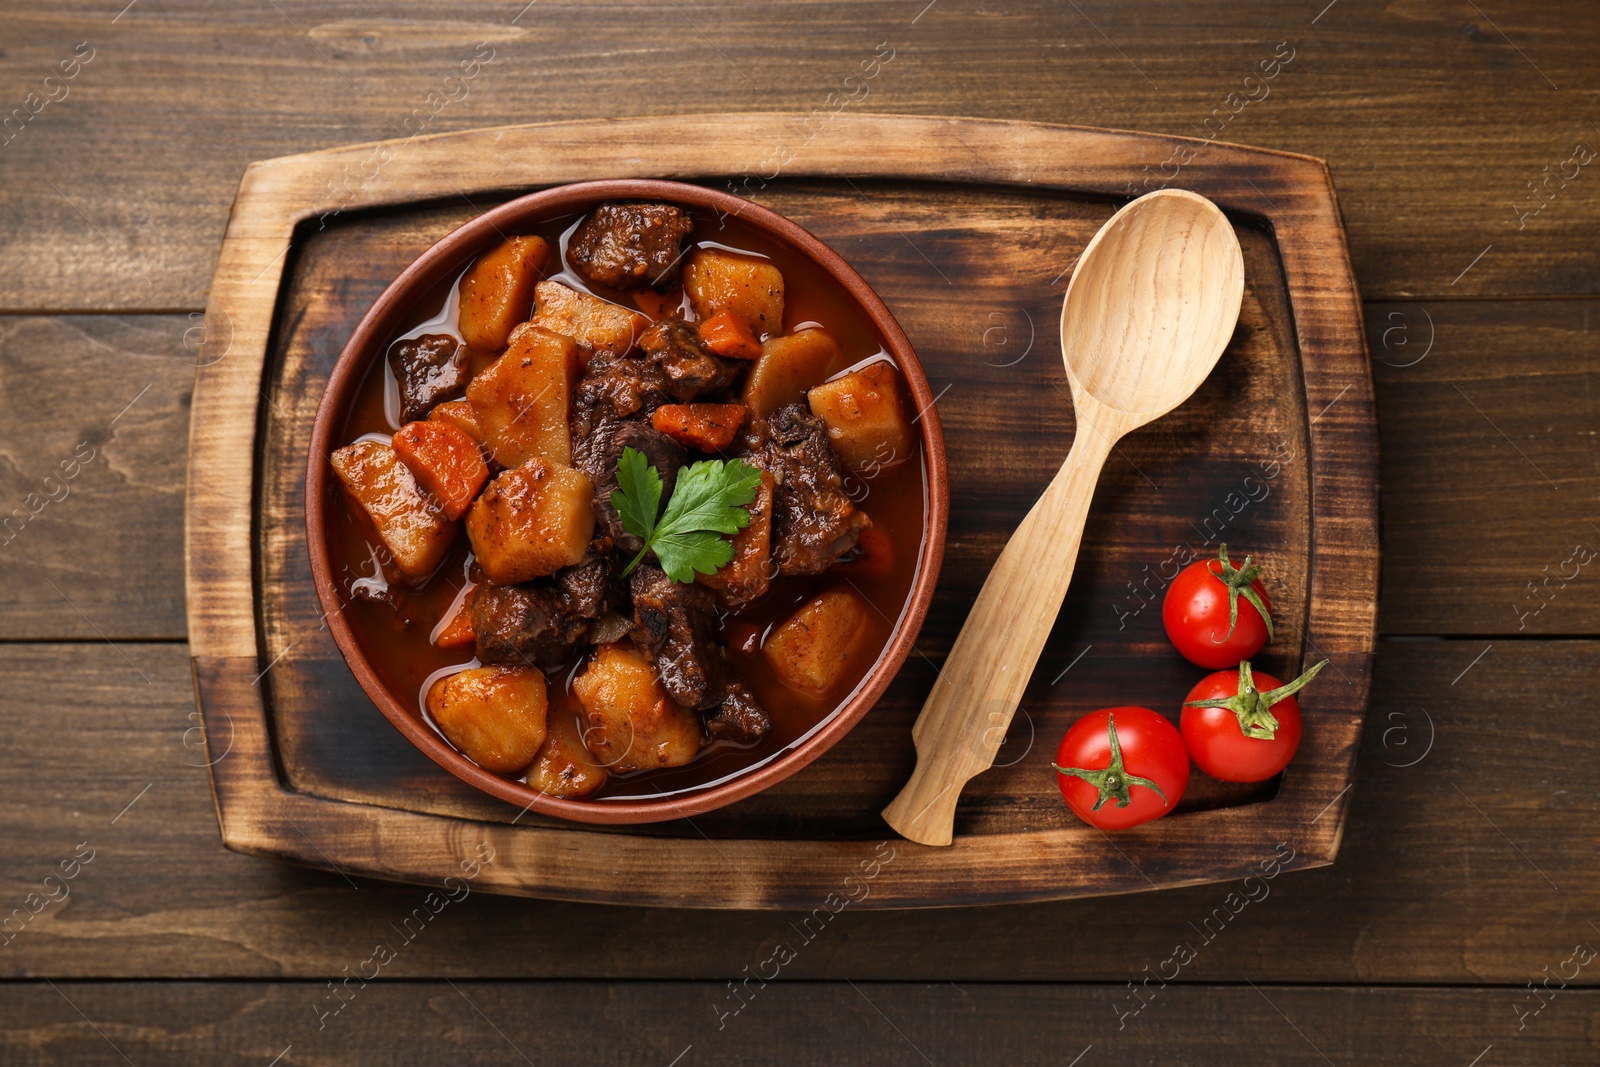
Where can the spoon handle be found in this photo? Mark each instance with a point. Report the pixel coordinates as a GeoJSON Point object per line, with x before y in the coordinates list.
{"type": "Point", "coordinates": [966, 716]}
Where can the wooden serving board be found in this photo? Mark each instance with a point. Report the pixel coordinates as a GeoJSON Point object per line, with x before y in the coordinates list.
{"type": "Point", "coordinates": [968, 229]}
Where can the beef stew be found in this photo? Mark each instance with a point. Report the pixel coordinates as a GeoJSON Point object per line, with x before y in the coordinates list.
{"type": "Point", "coordinates": [688, 339]}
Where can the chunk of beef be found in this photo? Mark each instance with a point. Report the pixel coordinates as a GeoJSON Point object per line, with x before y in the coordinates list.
{"type": "Point", "coordinates": [739, 719]}
{"type": "Point", "coordinates": [590, 452]}
{"type": "Point", "coordinates": [597, 455]}
{"type": "Point", "coordinates": [814, 522]}
{"type": "Point", "coordinates": [615, 387]}
{"type": "Point", "coordinates": [590, 589]}
{"type": "Point", "coordinates": [689, 369]}
{"type": "Point", "coordinates": [525, 624]}
{"type": "Point", "coordinates": [676, 626]}
{"type": "Point", "coordinates": [544, 622]}
{"type": "Point", "coordinates": [377, 589]}
{"type": "Point", "coordinates": [429, 369]}
{"type": "Point", "coordinates": [630, 246]}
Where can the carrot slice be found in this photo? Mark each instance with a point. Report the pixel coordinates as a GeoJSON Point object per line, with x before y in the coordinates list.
{"type": "Point", "coordinates": [456, 629]}
{"type": "Point", "coordinates": [445, 461]}
{"type": "Point", "coordinates": [726, 334]}
{"type": "Point", "coordinates": [706, 427]}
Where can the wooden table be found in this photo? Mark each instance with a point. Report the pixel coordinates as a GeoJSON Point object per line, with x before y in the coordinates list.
{"type": "Point", "coordinates": [1459, 925]}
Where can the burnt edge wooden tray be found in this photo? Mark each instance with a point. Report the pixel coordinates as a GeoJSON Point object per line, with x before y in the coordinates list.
{"type": "Point", "coordinates": [1290, 197]}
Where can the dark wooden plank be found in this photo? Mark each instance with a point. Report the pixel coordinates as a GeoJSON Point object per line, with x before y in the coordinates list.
{"type": "Point", "coordinates": [1490, 469]}
{"type": "Point", "coordinates": [95, 414]}
{"type": "Point", "coordinates": [1439, 879]}
{"type": "Point", "coordinates": [1436, 116]}
{"type": "Point", "coordinates": [656, 1023]}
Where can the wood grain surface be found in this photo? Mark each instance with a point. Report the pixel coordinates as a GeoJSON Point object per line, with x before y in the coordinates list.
{"type": "Point", "coordinates": [490, 1023]}
{"type": "Point", "coordinates": [1501, 391]}
{"type": "Point", "coordinates": [1436, 116]}
{"type": "Point", "coordinates": [1433, 118]}
{"type": "Point", "coordinates": [92, 407]}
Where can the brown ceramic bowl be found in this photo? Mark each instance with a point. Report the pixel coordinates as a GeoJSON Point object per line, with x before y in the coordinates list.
{"type": "Point", "coordinates": [387, 318]}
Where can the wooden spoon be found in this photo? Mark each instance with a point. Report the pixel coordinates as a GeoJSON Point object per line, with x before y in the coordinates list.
{"type": "Point", "coordinates": [1151, 306]}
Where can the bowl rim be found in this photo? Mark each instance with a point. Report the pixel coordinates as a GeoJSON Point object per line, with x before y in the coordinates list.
{"type": "Point", "coordinates": [370, 340]}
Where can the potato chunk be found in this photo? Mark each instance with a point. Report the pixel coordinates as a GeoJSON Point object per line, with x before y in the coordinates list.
{"type": "Point", "coordinates": [867, 424]}
{"type": "Point", "coordinates": [459, 413]}
{"type": "Point", "coordinates": [521, 401]}
{"type": "Point", "coordinates": [532, 521]}
{"type": "Point", "coordinates": [412, 525]}
{"type": "Point", "coordinates": [445, 461]}
{"type": "Point", "coordinates": [751, 288]}
{"type": "Point", "coordinates": [811, 651]}
{"type": "Point", "coordinates": [632, 725]}
{"type": "Point", "coordinates": [564, 768]}
{"type": "Point", "coordinates": [495, 716]}
{"type": "Point", "coordinates": [787, 368]}
{"type": "Point", "coordinates": [586, 319]}
{"type": "Point", "coordinates": [497, 293]}
{"type": "Point", "coordinates": [747, 575]}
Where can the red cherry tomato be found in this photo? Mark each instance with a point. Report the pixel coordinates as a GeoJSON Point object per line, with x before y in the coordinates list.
{"type": "Point", "coordinates": [1241, 726]}
{"type": "Point", "coordinates": [1120, 767]}
{"type": "Point", "coordinates": [1216, 614]}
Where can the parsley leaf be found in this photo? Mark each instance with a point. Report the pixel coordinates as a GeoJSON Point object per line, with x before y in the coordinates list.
{"type": "Point", "coordinates": [708, 501]}
{"type": "Point", "coordinates": [637, 497]}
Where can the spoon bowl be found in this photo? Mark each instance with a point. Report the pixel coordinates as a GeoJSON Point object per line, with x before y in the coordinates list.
{"type": "Point", "coordinates": [1151, 306]}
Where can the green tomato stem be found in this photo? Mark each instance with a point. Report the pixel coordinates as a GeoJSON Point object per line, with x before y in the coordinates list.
{"type": "Point", "coordinates": [1239, 582]}
{"type": "Point", "coordinates": [1113, 780]}
{"type": "Point", "coordinates": [1252, 707]}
